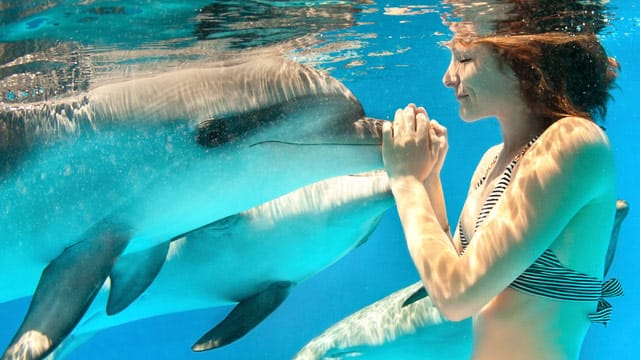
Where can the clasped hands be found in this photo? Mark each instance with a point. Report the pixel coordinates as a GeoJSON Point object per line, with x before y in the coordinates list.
{"type": "Point", "coordinates": [413, 145]}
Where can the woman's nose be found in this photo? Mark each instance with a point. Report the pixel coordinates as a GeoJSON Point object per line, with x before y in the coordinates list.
{"type": "Point", "coordinates": [450, 79]}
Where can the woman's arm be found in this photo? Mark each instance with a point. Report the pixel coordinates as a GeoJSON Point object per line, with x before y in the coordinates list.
{"type": "Point", "coordinates": [433, 187]}
{"type": "Point", "coordinates": [411, 150]}
{"type": "Point", "coordinates": [433, 183]}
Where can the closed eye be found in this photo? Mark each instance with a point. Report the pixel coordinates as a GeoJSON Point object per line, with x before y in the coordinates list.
{"type": "Point", "coordinates": [464, 60]}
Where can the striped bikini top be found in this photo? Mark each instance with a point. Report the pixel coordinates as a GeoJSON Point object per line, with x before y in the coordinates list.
{"type": "Point", "coordinates": [547, 277]}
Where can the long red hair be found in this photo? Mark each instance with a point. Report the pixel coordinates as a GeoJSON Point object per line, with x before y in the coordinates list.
{"type": "Point", "coordinates": [560, 74]}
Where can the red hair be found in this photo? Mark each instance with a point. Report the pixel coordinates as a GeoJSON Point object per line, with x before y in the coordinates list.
{"type": "Point", "coordinates": [560, 74]}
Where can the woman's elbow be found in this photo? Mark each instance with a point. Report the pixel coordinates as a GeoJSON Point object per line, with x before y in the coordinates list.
{"type": "Point", "coordinates": [453, 313]}
{"type": "Point", "coordinates": [454, 309]}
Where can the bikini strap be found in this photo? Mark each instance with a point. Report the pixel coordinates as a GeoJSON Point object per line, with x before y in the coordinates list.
{"type": "Point", "coordinates": [497, 192]}
{"type": "Point", "coordinates": [500, 188]}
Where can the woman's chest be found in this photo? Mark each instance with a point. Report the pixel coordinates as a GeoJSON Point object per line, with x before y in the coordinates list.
{"type": "Point", "coordinates": [479, 205]}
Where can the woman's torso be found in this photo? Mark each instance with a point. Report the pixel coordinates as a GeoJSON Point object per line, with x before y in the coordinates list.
{"type": "Point", "coordinates": [532, 326]}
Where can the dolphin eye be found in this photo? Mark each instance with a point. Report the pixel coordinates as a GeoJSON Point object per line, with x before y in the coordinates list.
{"type": "Point", "coordinates": [213, 133]}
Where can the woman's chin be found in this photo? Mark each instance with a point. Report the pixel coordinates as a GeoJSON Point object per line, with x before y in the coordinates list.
{"type": "Point", "coordinates": [467, 117]}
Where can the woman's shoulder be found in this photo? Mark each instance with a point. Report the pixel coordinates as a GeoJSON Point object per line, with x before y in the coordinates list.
{"type": "Point", "coordinates": [575, 139]}
{"type": "Point", "coordinates": [574, 132]}
{"type": "Point", "coordinates": [574, 148]}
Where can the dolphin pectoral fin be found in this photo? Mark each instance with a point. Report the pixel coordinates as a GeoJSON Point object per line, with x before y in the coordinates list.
{"type": "Point", "coordinates": [67, 287]}
{"type": "Point", "coordinates": [418, 295]}
{"type": "Point", "coordinates": [622, 209]}
{"type": "Point", "coordinates": [244, 317]}
{"type": "Point", "coordinates": [132, 274]}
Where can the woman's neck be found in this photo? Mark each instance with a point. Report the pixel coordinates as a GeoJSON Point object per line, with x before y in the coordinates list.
{"type": "Point", "coordinates": [517, 129]}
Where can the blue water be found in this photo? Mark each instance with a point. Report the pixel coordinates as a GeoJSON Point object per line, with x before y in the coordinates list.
{"type": "Point", "coordinates": [387, 61]}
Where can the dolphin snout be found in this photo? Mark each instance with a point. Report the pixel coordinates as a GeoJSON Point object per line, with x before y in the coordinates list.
{"type": "Point", "coordinates": [370, 128]}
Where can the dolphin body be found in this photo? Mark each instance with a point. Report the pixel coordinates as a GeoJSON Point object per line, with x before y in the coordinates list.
{"type": "Point", "coordinates": [130, 166]}
{"type": "Point", "coordinates": [406, 325]}
{"type": "Point", "coordinates": [387, 329]}
{"type": "Point", "coordinates": [252, 258]}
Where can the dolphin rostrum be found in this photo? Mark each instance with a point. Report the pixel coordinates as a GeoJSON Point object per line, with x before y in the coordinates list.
{"type": "Point", "coordinates": [406, 325]}
{"type": "Point", "coordinates": [252, 259]}
{"type": "Point", "coordinates": [130, 166]}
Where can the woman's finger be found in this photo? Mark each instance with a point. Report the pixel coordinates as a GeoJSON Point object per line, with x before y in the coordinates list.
{"type": "Point", "coordinates": [439, 137]}
{"type": "Point", "coordinates": [410, 118]}
{"type": "Point", "coordinates": [398, 123]}
{"type": "Point", "coordinates": [387, 132]}
{"type": "Point", "coordinates": [422, 110]}
{"type": "Point", "coordinates": [422, 123]}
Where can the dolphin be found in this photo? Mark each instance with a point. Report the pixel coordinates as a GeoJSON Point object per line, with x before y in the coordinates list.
{"type": "Point", "coordinates": [252, 259]}
{"type": "Point", "coordinates": [387, 329]}
{"type": "Point", "coordinates": [129, 166]}
{"type": "Point", "coordinates": [406, 325]}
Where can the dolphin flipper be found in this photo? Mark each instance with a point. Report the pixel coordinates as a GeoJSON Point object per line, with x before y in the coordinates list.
{"type": "Point", "coordinates": [622, 209]}
{"type": "Point", "coordinates": [419, 294]}
{"type": "Point", "coordinates": [67, 287]}
{"type": "Point", "coordinates": [245, 316]}
{"type": "Point", "coordinates": [132, 274]}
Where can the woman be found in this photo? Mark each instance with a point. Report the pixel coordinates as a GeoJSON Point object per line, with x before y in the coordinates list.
{"type": "Point", "coordinates": [526, 259]}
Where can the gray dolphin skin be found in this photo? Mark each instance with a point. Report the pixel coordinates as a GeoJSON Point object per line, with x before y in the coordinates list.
{"type": "Point", "coordinates": [406, 325]}
{"type": "Point", "coordinates": [129, 166]}
{"type": "Point", "coordinates": [387, 329]}
{"type": "Point", "coordinates": [252, 259]}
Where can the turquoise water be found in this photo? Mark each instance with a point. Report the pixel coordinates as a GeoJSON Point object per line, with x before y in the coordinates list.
{"type": "Point", "coordinates": [387, 54]}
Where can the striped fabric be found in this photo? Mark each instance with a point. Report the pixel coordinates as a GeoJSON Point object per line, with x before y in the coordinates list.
{"type": "Point", "coordinates": [496, 193]}
{"type": "Point", "coordinates": [547, 277]}
{"type": "Point", "coordinates": [610, 288]}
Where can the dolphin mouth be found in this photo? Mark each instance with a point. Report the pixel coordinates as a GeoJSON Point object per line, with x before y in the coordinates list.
{"type": "Point", "coordinates": [293, 143]}
{"type": "Point", "coordinates": [368, 132]}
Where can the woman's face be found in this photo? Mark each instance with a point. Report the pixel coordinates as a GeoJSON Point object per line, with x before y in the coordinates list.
{"type": "Point", "coordinates": [482, 86]}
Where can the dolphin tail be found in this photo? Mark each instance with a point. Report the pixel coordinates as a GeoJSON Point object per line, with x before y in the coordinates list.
{"type": "Point", "coordinates": [67, 287]}
{"type": "Point", "coordinates": [132, 274]}
{"type": "Point", "coordinates": [245, 316]}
